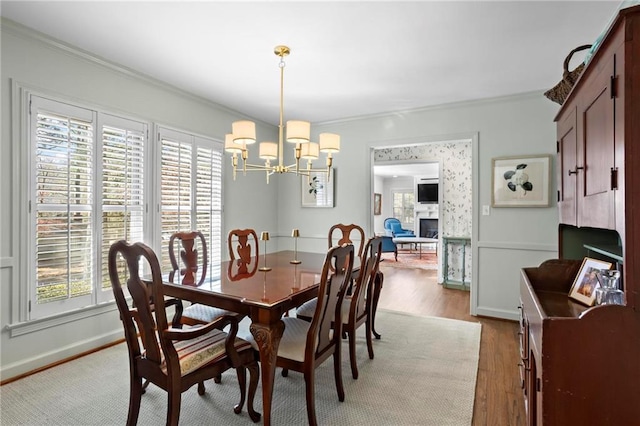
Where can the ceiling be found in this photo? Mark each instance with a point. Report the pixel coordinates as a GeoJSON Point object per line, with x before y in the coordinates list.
{"type": "Point", "coordinates": [348, 59]}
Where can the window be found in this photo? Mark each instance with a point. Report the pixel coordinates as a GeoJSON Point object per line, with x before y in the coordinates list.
{"type": "Point", "coordinates": [89, 186]}
{"type": "Point", "coordinates": [88, 191]}
{"type": "Point", "coordinates": [403, 206]}
{"type": "Point", "coordinates": [63, 211]}
{"type": "Point", "coordinates": [191, 192]}
{"type": "Point", "coordinates": [122, 187]}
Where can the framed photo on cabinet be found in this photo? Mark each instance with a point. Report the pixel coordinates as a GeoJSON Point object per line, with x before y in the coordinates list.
{"type": "Point", "coordinates": [521, 181]}
{"type": "Point", "coordinates": [317, 189]}
{"type": "Point", "coordinates": [584, 286]}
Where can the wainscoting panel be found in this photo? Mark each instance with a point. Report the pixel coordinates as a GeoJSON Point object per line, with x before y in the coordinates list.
{"type": "Point", "coordinates": [499, 277]}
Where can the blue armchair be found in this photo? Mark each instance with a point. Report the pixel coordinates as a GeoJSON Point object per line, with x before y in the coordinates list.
{"type": "Point", "coordinates": [393, 228]}
{"type": "Point", "coordinates": [388, 246]}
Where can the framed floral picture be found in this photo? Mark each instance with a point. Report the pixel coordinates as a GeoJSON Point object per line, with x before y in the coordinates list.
{"type": "Point", "coordinates": [521, 181]}
{"type": "Point", "coordinates": [317, 189]}
{"type": "Point", "coordinates": [584, 286]}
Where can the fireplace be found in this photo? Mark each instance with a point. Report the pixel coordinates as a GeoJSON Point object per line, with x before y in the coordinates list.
{"type": "Point", "coordinates": [429, 228]}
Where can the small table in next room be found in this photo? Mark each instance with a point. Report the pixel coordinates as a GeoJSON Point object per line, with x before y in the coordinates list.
{"type": "Point", "coordinates": [418, 241]}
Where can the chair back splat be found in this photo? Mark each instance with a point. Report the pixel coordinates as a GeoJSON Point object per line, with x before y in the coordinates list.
{"type": "Point", "coordinates": [348, 234]}
{"type": "Point", "coordinates": [247, 244]}
{"type": "Point", "coordinates": [244, 253]}
{"type": "Point", "coordinates": [172, 358]}
{"type": "Point", "coordinates": [194, 261]}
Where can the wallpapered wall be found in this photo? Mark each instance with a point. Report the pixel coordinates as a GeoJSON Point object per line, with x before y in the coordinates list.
{"type": "Point", "coordinates": [456, 204]}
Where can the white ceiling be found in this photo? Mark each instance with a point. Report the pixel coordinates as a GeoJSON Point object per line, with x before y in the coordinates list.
{"type": "Point", "coordinates": [347, 58]}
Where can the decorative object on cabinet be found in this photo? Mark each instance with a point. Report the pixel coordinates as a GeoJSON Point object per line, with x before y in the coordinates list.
{"type": "Point", "coordinates": [559, 92]}
{"type": "Point", "coordinates": [317, 190]}
{"type": "Point", "coordinates": [584, 286]}
{"type": "Point", "coordinates": [608, 292]}
{"type": "Point", "coordinates": [377, 204]}
{"type": "Point", "coordinates": [521, 181]}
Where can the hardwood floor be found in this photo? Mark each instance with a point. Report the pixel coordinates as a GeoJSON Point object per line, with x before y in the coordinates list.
{"type": "Point", "coordinates": [499, 400]}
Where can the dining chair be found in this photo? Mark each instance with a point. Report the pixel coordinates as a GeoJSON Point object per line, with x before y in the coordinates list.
{"type": "Point", "coordinates": [192, 271]}
{"type": "Point", "coordinates": [305, 345]}
{"type": "Point", "coordinates": [344, 234]}
{"type": "Point", "coordinates": [173, 359]}
{"type": "Point", "coordinates": [357, 308]}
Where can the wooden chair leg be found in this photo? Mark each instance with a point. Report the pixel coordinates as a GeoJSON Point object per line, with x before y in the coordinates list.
{"type": "Point", "coordinates": [144, 386]}
{"type": "Point", "coordinates": [218, 379]}
{"type": "Point", "coordinates": [285, 372]}
{"type": "Point", "coordinates": [309, 379]}
{"type": "Point", "coordinates": [201, 388]}
{"type": "Point", "coordinates": [135, 397]}
{"type": "Point", "coordinates": [377, 288]}
{"type": "Point", "coordinates": [254, 375]}
{"type": "Point", "coordinates": [173, 407]}
{"type": "Point", "coordinates": [242, 381]}
{"type": "Point", "coordinates": [352, 353]}
{"type": "Point", "coordinates": [337, 372]}
{"type": "Point", "coordinates": [368, 331]}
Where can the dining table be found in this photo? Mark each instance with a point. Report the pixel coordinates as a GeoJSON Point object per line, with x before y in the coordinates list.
{"type": "Point", "coordinates": [264, 296]}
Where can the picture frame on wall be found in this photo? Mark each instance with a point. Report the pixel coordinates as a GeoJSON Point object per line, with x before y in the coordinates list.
{"type": "Point", "coordinates": [522, 181]}
{"type": "Point", "coordinates": [377, 204]}
{"type": "Point", "coordinates": [584, 286]}
{"type": "Point", "coordinates": [318, 190]}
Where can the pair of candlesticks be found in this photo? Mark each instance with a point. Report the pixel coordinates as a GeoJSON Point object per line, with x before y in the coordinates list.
{"type": "Point", "coordinates": [264, 236]}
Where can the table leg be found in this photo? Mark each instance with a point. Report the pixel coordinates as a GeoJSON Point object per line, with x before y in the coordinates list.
{"type": "Point", "coordinates": [268, 339]}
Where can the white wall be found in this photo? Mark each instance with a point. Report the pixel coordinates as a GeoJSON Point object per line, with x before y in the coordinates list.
{"type": "Point", "coordinates": [504, 241]}
{"type": "Point", "coordinates": [34, 62]}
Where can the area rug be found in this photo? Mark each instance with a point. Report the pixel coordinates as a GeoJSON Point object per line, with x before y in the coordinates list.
{"type": "Point", "coordinates": [428, 261]}
{"type": "Point", "coordinates": [423, 373]}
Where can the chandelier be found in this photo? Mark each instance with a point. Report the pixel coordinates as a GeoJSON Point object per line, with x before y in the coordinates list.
{"type": "Point", "coordinates": [243, 134]}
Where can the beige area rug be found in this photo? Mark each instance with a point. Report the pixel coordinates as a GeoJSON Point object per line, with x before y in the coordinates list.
{"type": "Point", "coordinates": [424, 373]}
{"type": "Point", "coordinates": [428, 261]}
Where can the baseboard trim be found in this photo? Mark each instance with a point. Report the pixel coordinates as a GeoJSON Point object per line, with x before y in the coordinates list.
{"type": "Point", "coordinates": [497, 313]}
{"type": "Point", "coordinates": [27, 367]}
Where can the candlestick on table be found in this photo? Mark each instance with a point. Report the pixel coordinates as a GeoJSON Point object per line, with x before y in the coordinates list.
{"type": "Point", "coordinates": [295, 234]}
{"type": "Point", "coordinates": [264, 236]}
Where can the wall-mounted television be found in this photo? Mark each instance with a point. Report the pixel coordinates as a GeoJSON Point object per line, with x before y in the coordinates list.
{"type": "Point", "coordinates": [427, 192]}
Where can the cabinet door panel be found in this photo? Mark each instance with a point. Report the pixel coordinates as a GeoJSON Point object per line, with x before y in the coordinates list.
{"type": "Point", "coordinates": [597, 153]}
{"type": "Point", "coordinates": [566, 168]}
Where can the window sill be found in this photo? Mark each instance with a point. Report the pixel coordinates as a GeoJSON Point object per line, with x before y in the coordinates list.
{"type": "Point", "coordinates": [22, 328]}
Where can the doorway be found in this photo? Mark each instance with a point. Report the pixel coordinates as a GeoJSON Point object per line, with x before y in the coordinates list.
{"type": "Point", "coordinates": [454, 162]}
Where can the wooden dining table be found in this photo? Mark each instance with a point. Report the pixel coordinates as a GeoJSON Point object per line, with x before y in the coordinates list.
{"type": "Point", "coordinates": [264, 296]}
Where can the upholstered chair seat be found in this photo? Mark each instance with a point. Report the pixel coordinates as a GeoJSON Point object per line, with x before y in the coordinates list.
{"type": "Point", "coordinates": [204, 350]}
{"type": "Point", "coordinates": [202, 314]}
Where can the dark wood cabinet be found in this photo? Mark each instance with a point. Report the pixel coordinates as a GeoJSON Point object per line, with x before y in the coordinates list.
{"type": "Point", "coordinates": [586, 143]}
{"type": "Point", "coordinates": [581, 365]}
